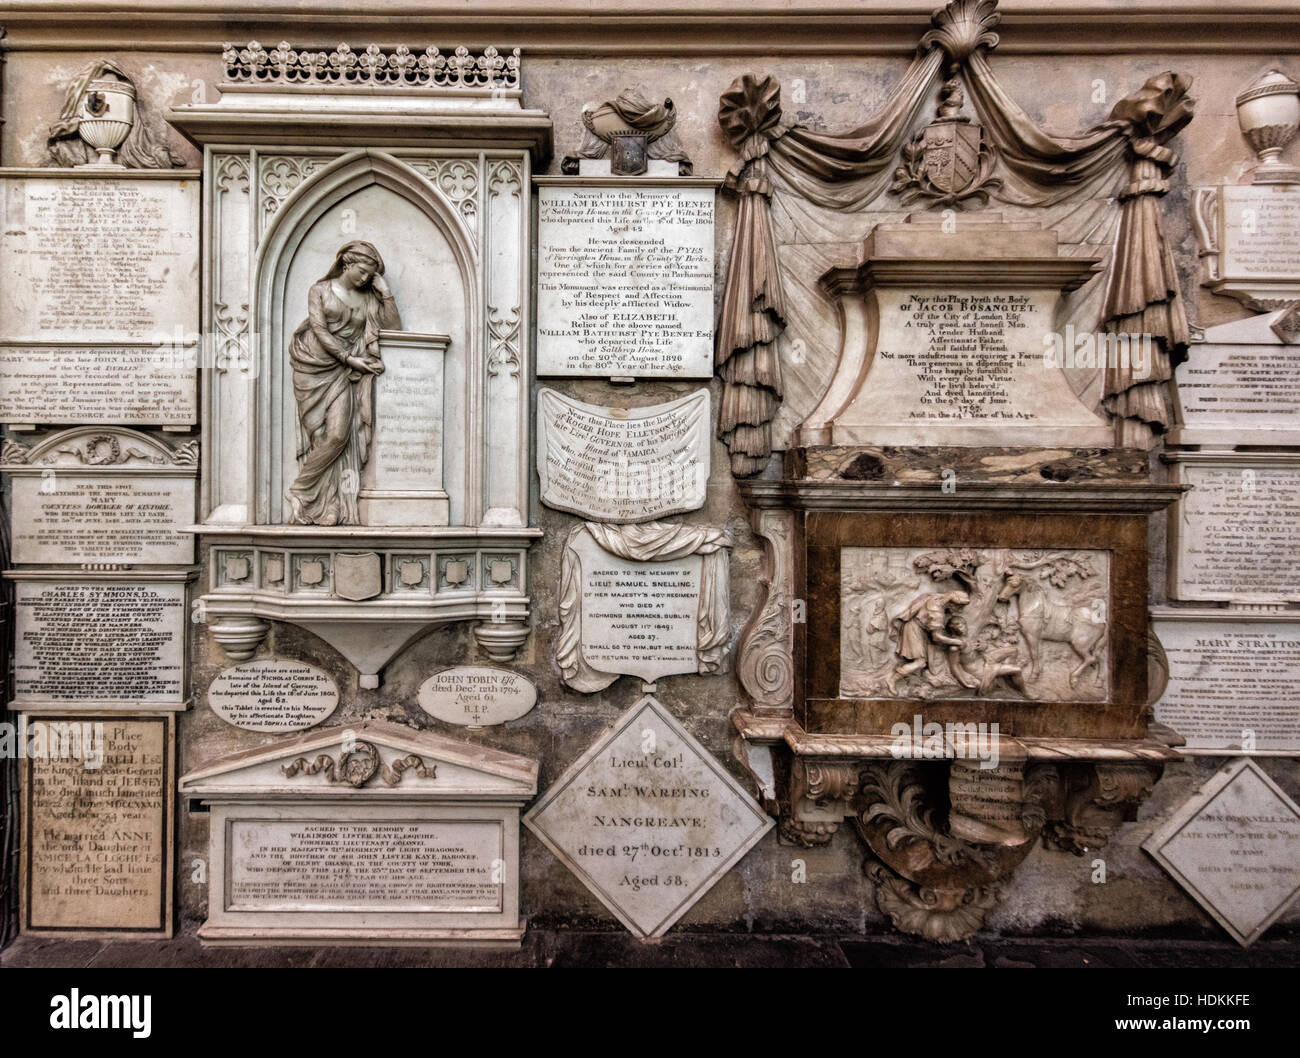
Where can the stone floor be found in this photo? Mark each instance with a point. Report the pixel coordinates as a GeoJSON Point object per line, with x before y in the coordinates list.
{"type": "Point", "coordinates": [552, 948]}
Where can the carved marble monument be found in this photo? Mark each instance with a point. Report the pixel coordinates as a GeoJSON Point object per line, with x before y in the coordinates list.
{"type": "Point", "coordinates": [367, 482]}
{"type": "Point", "coordinates": [373, 835]}
{"type": "Point", "coordinates": [951, 645]}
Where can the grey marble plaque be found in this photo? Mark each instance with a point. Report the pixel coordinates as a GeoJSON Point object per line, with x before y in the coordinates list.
{"type": "Point", "coordinates": [648, 819]}
{"type": "Point", "coordinates": [1235, 847]}
{"type": "Point", "coordinates": [113, 641]}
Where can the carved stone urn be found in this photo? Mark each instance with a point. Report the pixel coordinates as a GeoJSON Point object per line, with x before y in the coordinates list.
{"type": "Point", "coordinates": [1269, 114]}
{"type": "Point", "coordinates": [106, 117]}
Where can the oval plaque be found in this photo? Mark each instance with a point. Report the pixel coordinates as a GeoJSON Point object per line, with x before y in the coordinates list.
{"type": "Point", "coordinates": [273, 694]}
{"type": "Point", "coordinates": [477, 696]}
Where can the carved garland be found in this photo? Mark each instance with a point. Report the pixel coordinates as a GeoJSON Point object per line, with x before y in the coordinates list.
{"type": "Point", "coordinates": [359, 766]}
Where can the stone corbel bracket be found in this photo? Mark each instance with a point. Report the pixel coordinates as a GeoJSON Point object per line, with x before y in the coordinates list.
{"type": "Point", "coordinates": [943, 832]}
{"type": "Point", "coordinates": [367, 593]}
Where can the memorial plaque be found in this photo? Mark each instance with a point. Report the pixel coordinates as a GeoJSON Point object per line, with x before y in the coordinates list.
{"type": "Point", "coordinates": [375, 833]}
{"type": "Point", "coordinates": [1236, 535]}
{"type": "Point", "coordinates": [477, 696]}
{"type": "Point", "coordinates": [1240, 394]}
{"type": "Point", "coordinates": [91, 643]}
{"type": "Point", "coordinates": [648, 819]}
{"type": "Point", "coordinates": [114, 257]}
{"type": "Point", "coordinates": [623, 464]}
{"type": "Point", "coordinates": [1235, 847]}
{"type": "Point", "coordinates": [315, 864]}
{"type": "Point", "coordinates": [402, 482]}
{"type": "Point", "coordinates": [273, 694]}
{"type": "Point", "coordinates": [963, 344]}
{"type": "Point", "coordinates": [1234, 680]}
{"type": "Point", "coordinates": [625, 611]}
{"type": "Point", "coordinates": [98, 383]}
{"type": "Point", "coordinates": [97, 825]}
{"type": "Point", "coordinates": [1261, 231]}
{"type": "Point", "coordinates": [102, 495]}
{"type": "Point", "coordinates": [966, 367]}
{"type": "Point", "coordinates": [625, 281]}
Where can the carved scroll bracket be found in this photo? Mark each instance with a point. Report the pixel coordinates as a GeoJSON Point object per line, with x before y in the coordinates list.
{"type": "Point", "coordinates": [765, 659]}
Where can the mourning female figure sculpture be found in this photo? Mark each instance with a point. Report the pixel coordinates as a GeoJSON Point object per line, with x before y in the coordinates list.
{"type": "Point", "coordinates": [335, 358]}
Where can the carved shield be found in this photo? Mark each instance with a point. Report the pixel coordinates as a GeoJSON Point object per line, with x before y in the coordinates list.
{"type": "Point", "coordinates": [627, 153]}
{"type": "Point", "coordinates": [952, 155]}
{"type": "Point", "coordinates": [357, 575]}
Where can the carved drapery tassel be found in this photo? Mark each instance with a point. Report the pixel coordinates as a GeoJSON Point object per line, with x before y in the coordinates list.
{"type": "Point", "coordinates": [753, 301]}
{"type": "Point", "coordinates": [1143, 299]}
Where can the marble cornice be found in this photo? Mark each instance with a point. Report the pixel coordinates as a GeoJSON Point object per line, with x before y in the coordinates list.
{"type": "Point", "coordinates": [587, 29]}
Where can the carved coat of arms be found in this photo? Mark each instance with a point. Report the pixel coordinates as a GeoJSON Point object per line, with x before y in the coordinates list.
{"type": "Point", "coordinates": [949, 161]}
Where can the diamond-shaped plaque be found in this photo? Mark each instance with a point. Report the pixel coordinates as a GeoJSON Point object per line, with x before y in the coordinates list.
{"type": "Point", "coordinates": [648, 819]}
{"type": "Point", "coordinates": [1235, 848]}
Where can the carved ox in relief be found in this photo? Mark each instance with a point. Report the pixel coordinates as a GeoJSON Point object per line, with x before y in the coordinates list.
{"type": "Point", "coordinates": [1040, 619]}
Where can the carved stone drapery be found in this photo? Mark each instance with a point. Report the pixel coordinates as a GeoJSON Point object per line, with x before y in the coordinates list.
{"type": "Point", "coordinates": [145, 146]}
{"type": "Point", "coordinates": [1124, 157]}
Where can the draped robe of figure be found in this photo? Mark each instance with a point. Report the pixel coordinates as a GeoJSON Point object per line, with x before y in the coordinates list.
{"type": "Point", "coordinates": [330, 392]}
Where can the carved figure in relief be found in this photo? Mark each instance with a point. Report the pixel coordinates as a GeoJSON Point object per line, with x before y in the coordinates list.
{"type": "Point", "coordinates": [924, 641]}
{"type": "Point", "coordinates": [335, 358]}
{"type": "Point", "coordinates": [974, 622]}
{"type": "Point", "coordinates": [983, 659]}
{"type": "Point", "coordinates": [1082, 627]}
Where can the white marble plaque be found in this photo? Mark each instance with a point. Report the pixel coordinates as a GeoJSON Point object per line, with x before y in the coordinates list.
{"type": "Point", "coordinates": [100, 643]}
{"type": "Point", "coordinates": [1261, 231]}
{"type": "Point", "coordinates": [623, 464]}
{"type": "Point", "coordinates": [1236, 535]}
{"type": "Point", "coordinates": [114, 258]}
{"type": "Point", "coordinates": [644, 600]}
{"type": "Point", "coordinates": [1240, 394]}
{"type": "Point", "coordinates": [625, 281]}
{"type": "Point", "coordinates": [967, 367]}
{"type": "Point", "coordinates": [648, 819]}
{"type": "Point", "coordinates": [1235, 847]}
{"type": "Point", "coordinates": [477, 696]}
{"type": "Point", "coordinates": [99, 383]}
{"type": "Point", "coordinates": [402, 482]}
{"type": "Point", "coordinates": [102, 495]}
{"type": "Point", "coordinates": [338, 865]}
{"type": "Point", "coordinates": [97, 797]}
{"type": "Point", "coordinates": [1234, 680]}
{"type": "Point", "coordinates": [273, 694]}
